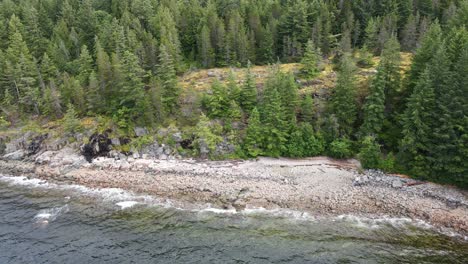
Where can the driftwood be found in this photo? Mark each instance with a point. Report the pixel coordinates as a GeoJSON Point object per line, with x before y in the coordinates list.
{"type": "Point", "coordinates": [415, 183]}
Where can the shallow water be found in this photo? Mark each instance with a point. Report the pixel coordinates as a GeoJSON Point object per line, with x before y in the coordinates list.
{"type": "Point", "coordinates": [45, 223]}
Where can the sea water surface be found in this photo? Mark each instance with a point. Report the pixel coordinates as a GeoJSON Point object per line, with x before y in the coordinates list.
{"type": "Point", "coordinates": [47, 223]}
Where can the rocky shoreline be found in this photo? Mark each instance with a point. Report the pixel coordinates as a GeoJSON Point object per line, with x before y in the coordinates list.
{"type": "Point", "coordinates": [319, 185]}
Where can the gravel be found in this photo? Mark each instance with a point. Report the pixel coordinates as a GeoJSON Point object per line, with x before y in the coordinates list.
{"type": "Point", "coordinates": [315, 185]}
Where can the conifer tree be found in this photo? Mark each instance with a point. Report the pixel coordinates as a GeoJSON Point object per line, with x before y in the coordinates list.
{"type": "Point", "coordinates": [310, 61]}
{"type": "Point", "coordinates": [233, 88]}
{"type": "Point", "coordinates": [85, 65]}
{"type": "Point", "coordinates": [248, 95]}
{"type": "Point", "coordinates": [48, 70]}
{"type": "Point", "coordinates": [307, 109]}
{"type": "Point", "coordinates": [417, 119]}
{"type": "Point", "coordinates": [164, 27]}
{"type": "Point", "coordinates": [218, 102]}
{"type": "Point", "coordinates": [167, 75]}
{"type": "Point", "coordinates": [253, 141]}
{"type": "Point", "coordinates": [374, 108]}
{"type": "Point", "coordinates": [275, 134]}
{"type": "Point", "coordinates": [205, 49]}
{"type": "Point", "coordinates": [132, 94]}
{"type": "Point", "coordinates": [343, 101]}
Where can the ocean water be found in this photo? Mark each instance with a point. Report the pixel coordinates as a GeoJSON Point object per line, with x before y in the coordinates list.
{"type": "Point", "coordinates": [48, 223]}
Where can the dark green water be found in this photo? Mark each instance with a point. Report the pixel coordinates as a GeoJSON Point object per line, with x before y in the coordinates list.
{"type": "Point", "coordinates": [41, 223]}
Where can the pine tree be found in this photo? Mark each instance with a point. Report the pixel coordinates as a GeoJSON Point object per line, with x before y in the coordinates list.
{"type": "Point", "coordinates": [343, 101]}
{"type": "Point", "coordinates": [104, 77]}
{"type": "Point", "coordinates": [248, 95]}
{"type": "Point", "coordinates": [372, 31]}
{"type": "Point", "coordinates": [307, 109]}
{"type": "Point", "coordinates": [164, 28]}
{"type": "Point", "coordinates": [253, 140]}
{"type": "Point", "coordinates": [205, 49]}
{"type": "Point", "coordinates": [132, 94]}
{"type": "Point", "coordinates": [71, 123]}
{"type": "Point", "coordinates": [275, 134]}
{"type": "Point", "coordinates": [288, 90]}
{"type": "Point", "coordinates": [417, 119]}
{"type": "Point", "coordinates": [409, 39]}
{"type": "Point", "coordinates": [48, 70]}
{"type": "Point", "coordinates": [370, 154]}
{"type": "Point", "coordinates": [85, 65]}
{"type": "Point", "coordinates": [310, 61]}
{"type": "Point", "coordinates": [374, 108]}
{"type": "Point", "coordinates": [233, 88]}
{"type": "Point", "coordinates": [218, 103]}
{"type": "Point", "coordinates": [167, 75]}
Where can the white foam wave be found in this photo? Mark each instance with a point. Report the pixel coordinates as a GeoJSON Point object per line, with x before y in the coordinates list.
{"type": "Point", "coordinates": [126, 204]}
{"type": "Point", "coordinates": [112, 195]}
{"type": "Point", "coordinates": [216, 210]}
{"type": "Point", "coordinates": [46, 216]}
{"type": "Point", "coordinates": [380, 222]}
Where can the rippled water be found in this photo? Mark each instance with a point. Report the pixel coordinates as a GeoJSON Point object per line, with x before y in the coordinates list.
{"type": "Point", "coordinates": [41, 223]}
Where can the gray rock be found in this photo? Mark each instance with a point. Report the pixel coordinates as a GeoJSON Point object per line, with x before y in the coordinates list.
{"type": "Point", "coordinates": [136, 154]}
{"type": "Point", "coordinates": [141, 131]}
{"type": "Point", "coordinates": [204, 150]}
{"type": "Point", "coordinates": [167, 150]}
{"type": "Point", "coordinates": [160, 151]}
{"type": "Point", "coordinates": [151, 151]}
{"type": "Point", "coordinates": [115, 142]}
{"type": "Point", "coordinates": [114, 154]}
{"type": "Point", "coordinates": [17, 155]}
{"type": "Point", "coordinates": [360, 181]}
{"type": "Point", "coordinates": [211, 74]}
{"type": "Point", "coordinates": [177, 137]}
{"type": "Point", "coordinates": [163, 157]}
{"type": "Point", "coordinates": [397, 184]}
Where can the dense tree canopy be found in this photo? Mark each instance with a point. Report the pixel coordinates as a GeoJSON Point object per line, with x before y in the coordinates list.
{"type": "Point", "coordinates": [122, 59]}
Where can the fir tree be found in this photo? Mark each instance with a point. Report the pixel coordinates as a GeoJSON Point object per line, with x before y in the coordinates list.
{"type": "Point", "coordinates": [248, 95]}
{"type": "Point", "coordinates": [307, 109]}
{"type": "Point", "coordinates": [253, 140]}
{"type": "Point", "coordinates": [310, 61]}
{"type": "Point", "coordinates": [167, 75]}
{"type": "Point", "coordinates": [415, 145]}
{"type": "Point", "coordinates": [343, 101]}
{"type": "Point", "coordinates": [275, 134]}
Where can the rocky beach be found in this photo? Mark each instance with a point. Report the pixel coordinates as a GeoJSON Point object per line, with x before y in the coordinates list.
{"type": "Point", "coordinates": [318, 186]}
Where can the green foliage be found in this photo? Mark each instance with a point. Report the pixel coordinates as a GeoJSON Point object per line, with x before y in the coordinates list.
{"type": "Point", "coordinates": [71, 123]}
{"type": "Point", "coordinates": [207, 134]}
{"type": "Point", "coordinates": [253, 141]}
{"type": "Point", "coordinates": [340, 149]}
{"type": "Point", "coordinates": [365, 58]}
{"type": "Point", "coordinates": [4, 123]}
{"type": "Point", "coordinates": [343, 101]}
{"type": "Point", "coordinates": [217, 103]}
{"type": "Point", "coordinates": [370, 155]}
{"type": "Point", "coordinates": [248, 94]}
{"type": "Point", "coordinates": [140, 142]}
{"type": "Point", "coordinates": [311, 61]}
{"type": "Point", "coordinates": [307, 109]}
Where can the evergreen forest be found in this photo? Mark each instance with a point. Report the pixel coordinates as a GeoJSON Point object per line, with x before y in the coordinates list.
{"type": "Point", "coordinates": [384, 81]}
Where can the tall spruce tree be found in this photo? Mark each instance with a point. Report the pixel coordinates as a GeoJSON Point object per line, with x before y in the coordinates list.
{"type": "Point", "coordinates": [343, 101]}
{"type": "Point", "coordinates": [167, 75]}
{"type": "Point", "coordinates": [311, 60]}
{"type": "Point", "coordinates": [248, 95]}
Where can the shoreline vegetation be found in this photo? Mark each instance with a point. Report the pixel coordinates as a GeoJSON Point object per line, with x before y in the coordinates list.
{"type": "Point", "coordinates": [319, 186]}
